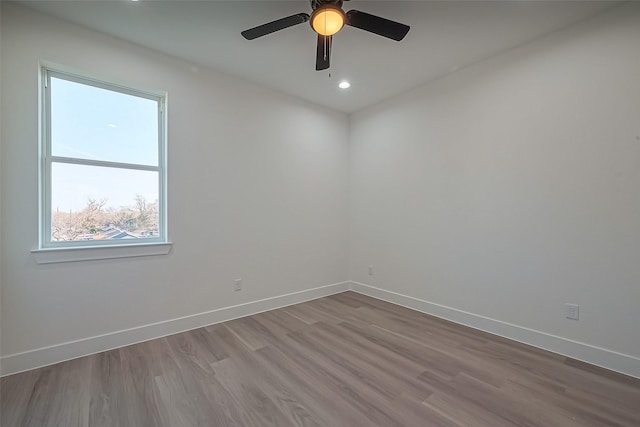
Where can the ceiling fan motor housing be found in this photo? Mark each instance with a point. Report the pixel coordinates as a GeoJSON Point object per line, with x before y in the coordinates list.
{"type": "Point", "coordinates": [317, 3]}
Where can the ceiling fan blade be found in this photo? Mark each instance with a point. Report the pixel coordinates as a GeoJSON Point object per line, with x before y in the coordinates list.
{"type": "Point", "coordinates": [375, 24]}
{"type": "Point", "coordinates": [323, 52]}
{"type": "Point", "coordinates": [277, 25]}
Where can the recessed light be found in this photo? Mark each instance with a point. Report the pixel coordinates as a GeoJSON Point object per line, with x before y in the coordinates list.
{"type": "Point", "coordinates": [344, 84]}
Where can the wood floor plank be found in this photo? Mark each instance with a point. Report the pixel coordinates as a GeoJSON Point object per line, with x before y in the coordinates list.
{"type": "Point", "coordinates": [106, 389]}
{"type": "Point", "coordinates": [263, 405]}
{"type": "Point", "coordinates": [280, 323]}
{"type": "Point", "coordinates": [250, 332]}
{"type": "Point", "coordinates": [142, 403]}
{"type": "Point", "coordinates": [69, 405]}
{"type": "Point", "coordinates": [414, 413]}
{"type": "Point", "coordinates": [39, 407]}
{"type": "Point", "coordinates": [431, 359]}
{"type": "Point", "coordinates": [350, 370]}
{"type": "Point", "coordinates": [346, 360]}
{"type": "Point", "coordinates": [309, 314]}
{"type": "Point", "coordinates": [461, 412]}
{"type": "Point", "coordinates": [317, 398]}
{"type": "Point", "coordinates": [192, 349]}
{"type": "Point", "coordinates": [187, 404]}
{"type": "Point", "coordinates": [16, 392]}
{"type": "Point", "coordinates": [395, 373]}
{"type": "Point", "coordinates": [287, 399]}
{"type": "Point", "coordinates": [343, 385]}
{"type": "Point", "coordinates": [368, 348]}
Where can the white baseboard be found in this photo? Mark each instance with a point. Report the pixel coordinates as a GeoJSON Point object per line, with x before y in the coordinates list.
{"type": "Point", "coordinates": [598, 356]}
{"type": "Point", "coordinates": [18, 362]}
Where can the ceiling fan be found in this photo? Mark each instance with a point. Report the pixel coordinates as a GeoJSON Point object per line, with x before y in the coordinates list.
{"type": "Point", "coordinates": [327, 19]}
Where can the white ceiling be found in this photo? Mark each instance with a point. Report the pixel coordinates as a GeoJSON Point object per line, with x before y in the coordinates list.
{"type": "Point", "coordinates": [444, 36]}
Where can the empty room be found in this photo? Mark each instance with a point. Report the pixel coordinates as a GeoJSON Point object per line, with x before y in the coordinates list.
{"type": "Point", "coordinates": [319, 213]}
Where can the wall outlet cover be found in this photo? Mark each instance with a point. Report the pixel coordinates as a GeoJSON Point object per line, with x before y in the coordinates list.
{"type": "Point", "coordinates": [572, 311]}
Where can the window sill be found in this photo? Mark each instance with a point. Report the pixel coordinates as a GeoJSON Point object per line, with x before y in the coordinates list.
{"type": "Point", "coordinates": [55, 255]}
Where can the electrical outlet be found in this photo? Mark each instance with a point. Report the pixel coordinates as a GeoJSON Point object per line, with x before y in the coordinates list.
{"type": "Point", "coordinates": [371, 270]}
{"type": "Point", "coordinates": [237, 285]}
{"type": "Point", "coordinates": [572, 311]}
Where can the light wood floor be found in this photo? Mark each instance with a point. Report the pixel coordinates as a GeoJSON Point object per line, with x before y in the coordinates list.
{"type": "Point", "coordinates": [344, 360]}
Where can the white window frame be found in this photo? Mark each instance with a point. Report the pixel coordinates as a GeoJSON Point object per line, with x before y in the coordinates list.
{"type": "Point", "coordinates": [46, 246]}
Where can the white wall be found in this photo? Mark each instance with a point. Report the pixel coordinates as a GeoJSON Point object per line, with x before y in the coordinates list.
{"type": "Point", "coordinates": [256, 191]}
{"type": "Point", "coordinates": [510, 188]}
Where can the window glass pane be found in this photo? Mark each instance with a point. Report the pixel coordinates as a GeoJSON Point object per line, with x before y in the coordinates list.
{"type": "Point", "coordinates": [98, 124]}
{"type": "Point", "coordinates": [98, 203]}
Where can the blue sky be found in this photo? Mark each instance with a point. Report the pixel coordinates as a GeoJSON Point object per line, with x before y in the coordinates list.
{"type": "Point", "coordinates": [97, 124]}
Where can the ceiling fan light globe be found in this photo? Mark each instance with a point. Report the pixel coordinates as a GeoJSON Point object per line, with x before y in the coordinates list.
{"type": "Point", "coordinates": [327, 20]}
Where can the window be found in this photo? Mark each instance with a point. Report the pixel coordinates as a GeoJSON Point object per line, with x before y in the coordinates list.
{"type": "Point", "coordinates": [103, 174]}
